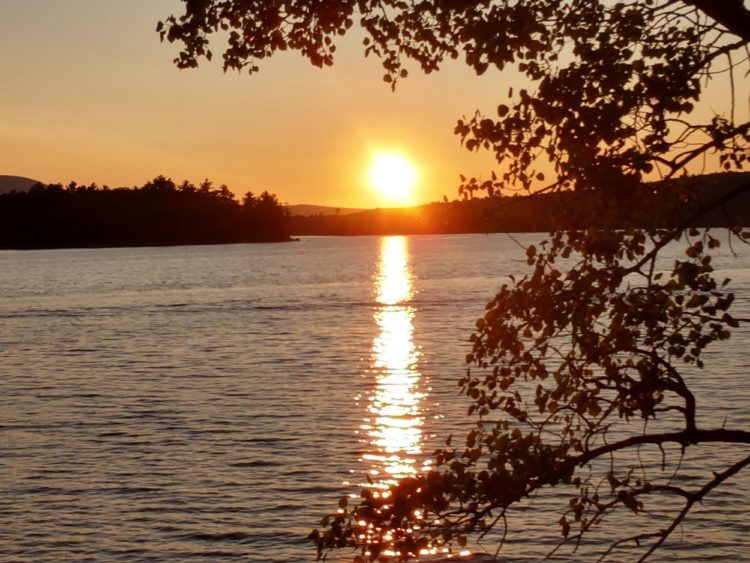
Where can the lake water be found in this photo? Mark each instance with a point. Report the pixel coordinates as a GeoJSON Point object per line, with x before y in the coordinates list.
{"type": "Point", "coordinates": [212, 403]}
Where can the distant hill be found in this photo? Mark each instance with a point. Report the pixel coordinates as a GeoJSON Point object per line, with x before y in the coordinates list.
{"type": "Point", "coordinates": [432, 218]}
{"type": "Point", "coordinates": [312, 210]}
{"type": "Point", "coordinates": [663, 204]}
{"type": "Point", "coordinates": [15, 183]}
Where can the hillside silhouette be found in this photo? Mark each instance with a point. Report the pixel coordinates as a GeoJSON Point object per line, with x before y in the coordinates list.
{"type": "Point", "coordinates": [15, 183]}
{"type": "Point", "coordinates": [662, 204]}
{"type": "Point", "coordinates": [158, 213]}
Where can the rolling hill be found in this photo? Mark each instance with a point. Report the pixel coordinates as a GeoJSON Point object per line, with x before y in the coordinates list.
{"type": "Point", "coordinates": [15, 183]}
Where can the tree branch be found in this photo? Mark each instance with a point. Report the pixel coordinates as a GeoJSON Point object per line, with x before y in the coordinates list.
{"type": "Point", "coordinates": [739, 190]}
{"type": "Point", "coordinates": [684, 437]}
{"type": "Point", "coordinates": [695, 497]}
{"type": "Point", "coordinates": [683, 159]}
{"type": "Point", "coordinates": [732, 14]}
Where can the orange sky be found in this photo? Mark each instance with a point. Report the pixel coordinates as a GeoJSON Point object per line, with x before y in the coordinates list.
{"type": "Point", "coordinates": [90, 94]}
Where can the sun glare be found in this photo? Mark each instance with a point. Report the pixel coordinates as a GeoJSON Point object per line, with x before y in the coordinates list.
{"type": "Point", "coordinates": [393, 177]}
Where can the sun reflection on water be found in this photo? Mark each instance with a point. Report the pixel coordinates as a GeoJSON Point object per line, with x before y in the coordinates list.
{"type": "Point", "coordinates": [394, 428]}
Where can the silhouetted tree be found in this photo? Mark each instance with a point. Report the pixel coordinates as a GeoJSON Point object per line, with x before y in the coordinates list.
{"type": "Point", "coordinates": [571, 360]}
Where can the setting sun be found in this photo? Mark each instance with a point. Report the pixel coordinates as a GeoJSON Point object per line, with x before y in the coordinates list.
{"type": "Point", "coordinates": [393, 177]}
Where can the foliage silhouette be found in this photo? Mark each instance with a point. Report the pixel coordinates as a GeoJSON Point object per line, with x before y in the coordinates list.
{"type": "Point", "coordinates": [579, 367]}
{"type": "Point", "coordinates": [159, 213]}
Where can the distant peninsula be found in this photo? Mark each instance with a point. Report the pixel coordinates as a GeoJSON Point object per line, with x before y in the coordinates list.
{"type": "Point", "coordinates": [158, 213]}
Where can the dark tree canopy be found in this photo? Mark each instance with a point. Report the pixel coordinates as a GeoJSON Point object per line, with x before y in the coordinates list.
{"type": "Point", "coordinates": [578, 368]}
{"type": "Point", "coordinates": [158, 213]}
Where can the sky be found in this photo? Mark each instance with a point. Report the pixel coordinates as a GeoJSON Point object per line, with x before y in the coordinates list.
{"type": "Point", "coordinates": [88, 93]}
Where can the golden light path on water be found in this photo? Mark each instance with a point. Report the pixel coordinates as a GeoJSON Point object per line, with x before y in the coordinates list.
{"type": "Point", "coordinates": [395, 421]}
{"type": "Point", "coordinates": [394, 425]}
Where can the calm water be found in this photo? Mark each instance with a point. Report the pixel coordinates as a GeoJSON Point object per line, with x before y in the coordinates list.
{"type": "Point", "coordinates": [213, 403]}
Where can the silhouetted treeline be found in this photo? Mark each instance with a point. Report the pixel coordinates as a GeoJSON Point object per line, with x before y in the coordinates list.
{"type": "Point", "coordinates": [158, 213]}
{"type": "Point", "coordinates": [662, 204]}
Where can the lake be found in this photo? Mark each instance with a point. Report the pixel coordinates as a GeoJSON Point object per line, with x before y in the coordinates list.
{"type": "Point", "coordinates": [212, 403]}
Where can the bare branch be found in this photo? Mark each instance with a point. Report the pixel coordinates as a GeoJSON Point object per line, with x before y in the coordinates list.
{"type": "Point", "coordinates": [696, 497]}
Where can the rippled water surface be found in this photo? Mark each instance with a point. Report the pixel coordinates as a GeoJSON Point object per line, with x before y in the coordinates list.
{"type": "Point", "coordinates": [213, 403]}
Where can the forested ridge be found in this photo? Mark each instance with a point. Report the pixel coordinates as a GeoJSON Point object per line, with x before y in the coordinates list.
{"type": "Point", "coordinates": [158, 213]}
{"type": "Point", "coordinates": [662, 204]}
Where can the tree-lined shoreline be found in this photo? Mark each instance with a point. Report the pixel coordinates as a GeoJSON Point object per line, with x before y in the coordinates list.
{"type": "Point", "coordinates": [162, 213]}
{"type": "Point", "coordinates": [159, 213]}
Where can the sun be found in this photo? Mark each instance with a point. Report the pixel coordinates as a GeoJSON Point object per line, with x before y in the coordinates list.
{"type": "Point", "coordinates": [393, 176]}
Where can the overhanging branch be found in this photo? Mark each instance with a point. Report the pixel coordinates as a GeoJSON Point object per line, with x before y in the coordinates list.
{"type": "Point", "coordinates": [697, 497]}
{"type": "Point", "coordinates": [732, 14]}
{"type": "Point", "coordinates": [684, 438]}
